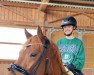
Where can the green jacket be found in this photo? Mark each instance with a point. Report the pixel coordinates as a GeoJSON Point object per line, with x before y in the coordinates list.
{"type": "Point", "coordinates": [72, 52]}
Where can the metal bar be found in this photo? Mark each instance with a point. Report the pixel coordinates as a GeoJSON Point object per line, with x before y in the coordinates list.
{"type": "Point", "coordinates": [11, 43]}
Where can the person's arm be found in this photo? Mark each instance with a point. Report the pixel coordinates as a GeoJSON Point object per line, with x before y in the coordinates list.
{"type": "Point", "coordinates": [80, 58]}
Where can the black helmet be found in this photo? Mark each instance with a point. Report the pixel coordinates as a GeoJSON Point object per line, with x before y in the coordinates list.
{"type": "Point", "coordinates": [69, 21]}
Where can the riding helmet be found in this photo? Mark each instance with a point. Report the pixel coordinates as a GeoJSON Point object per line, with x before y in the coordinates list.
{"type": "Point", "coordinates": [69, 21]}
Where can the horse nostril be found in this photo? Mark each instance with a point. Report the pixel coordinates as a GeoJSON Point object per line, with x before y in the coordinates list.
{"type": "Point", "coordinates": [33, 54]}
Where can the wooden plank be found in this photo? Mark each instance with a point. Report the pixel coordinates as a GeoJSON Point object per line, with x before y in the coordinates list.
{"type": "Point", "coordinates": [43, 5]}
{"type": "Point", "coordinates": [80, 2]}
{"type": "Point", "coordinates": [20, 24]}
{"type": "Point", "coordinates": [49, 8]}
{"type": "Point", "coordinates": [67, 9]}
{"type": "Point", "coordinates": [16, 4]}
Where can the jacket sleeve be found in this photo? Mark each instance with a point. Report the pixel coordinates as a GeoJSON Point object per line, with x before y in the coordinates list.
{"type": "Point", "coordinates": [80, 58]}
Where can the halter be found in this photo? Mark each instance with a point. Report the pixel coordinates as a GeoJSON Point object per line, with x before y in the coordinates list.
{"type": "Point", "coordinates": [36, 65]}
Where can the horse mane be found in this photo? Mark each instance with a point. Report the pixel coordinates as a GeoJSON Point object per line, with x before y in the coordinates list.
{"type": "Point", "coordinates": [57, 55]}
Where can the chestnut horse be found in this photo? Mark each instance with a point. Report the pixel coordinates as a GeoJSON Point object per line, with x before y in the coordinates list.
{"type": "Point", "coordinates": [39, 56]}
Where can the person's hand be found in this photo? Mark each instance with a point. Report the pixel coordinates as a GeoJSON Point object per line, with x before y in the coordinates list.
{"type": "Point", "coordinates": [71, 67]}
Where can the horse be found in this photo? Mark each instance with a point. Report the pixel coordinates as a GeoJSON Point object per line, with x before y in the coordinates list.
{"type": "Point", "coordinates": [38, 56]}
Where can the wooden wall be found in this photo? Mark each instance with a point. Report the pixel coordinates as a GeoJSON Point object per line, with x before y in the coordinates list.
{"type": "Point", "coordinates": [29, 17]}
{"type": "Point", "coordinates": [84, 20]}
{"type": "Point", "coordinates": [89, 49]}
{"type": "Point", "coordinates": [20, 17]}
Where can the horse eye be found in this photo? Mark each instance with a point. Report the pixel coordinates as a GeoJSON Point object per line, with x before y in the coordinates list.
{"type": "Point", "coordinates": [33, 54]}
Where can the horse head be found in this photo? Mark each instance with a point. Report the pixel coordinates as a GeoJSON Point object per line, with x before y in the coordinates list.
{"type": "Point", "coordinates": [39, 56]}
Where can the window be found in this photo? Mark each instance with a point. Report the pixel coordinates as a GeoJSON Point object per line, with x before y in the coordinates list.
{"type": "Point", "coordinates": [11, 40]}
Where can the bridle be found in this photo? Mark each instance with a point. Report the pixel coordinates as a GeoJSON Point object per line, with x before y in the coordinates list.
{"type": "Point", "coordinates": [36, 65]}
{"type": "Point", "coordinates": [18, 68]}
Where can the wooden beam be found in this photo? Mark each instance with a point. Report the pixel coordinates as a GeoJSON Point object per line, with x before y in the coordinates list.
{"type": "Point", "coordinates": [67, 9]}
{"type": "Point", "coordinates": [80, 2]}
{"type": "Point", "coordinates": [20, 4]}
{"type": "Point", "coordinates": [20, 24]}
{"type": "Point", "coordinates": [43, 5]}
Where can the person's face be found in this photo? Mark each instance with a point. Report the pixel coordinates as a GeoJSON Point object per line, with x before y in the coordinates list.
{"type": "Point", "coordinates": [68, 29]}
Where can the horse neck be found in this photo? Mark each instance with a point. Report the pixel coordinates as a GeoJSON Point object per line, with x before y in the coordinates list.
{"type": "Point", "coordinates": [55, 53]}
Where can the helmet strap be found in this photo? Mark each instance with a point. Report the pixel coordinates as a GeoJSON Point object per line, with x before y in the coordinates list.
{"type": "Point", "coordinates": [74, 27]}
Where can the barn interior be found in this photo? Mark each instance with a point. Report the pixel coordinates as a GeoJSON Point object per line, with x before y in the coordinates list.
{"type": "Point", "coordinates": [48, 14]}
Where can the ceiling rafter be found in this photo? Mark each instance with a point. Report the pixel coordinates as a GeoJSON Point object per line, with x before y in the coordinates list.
{"type": "Point", "coordinates": [81, 2]}
{"type": "Point", "coordinates": [43, 5]}
{"type": "Point", "coordinates": [75, 7]}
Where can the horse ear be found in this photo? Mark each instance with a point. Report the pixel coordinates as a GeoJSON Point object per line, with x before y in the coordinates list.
{"type": "Point", "coordinates": [28, 35]}
{"type": "Point", "coordinates": [40, 34]}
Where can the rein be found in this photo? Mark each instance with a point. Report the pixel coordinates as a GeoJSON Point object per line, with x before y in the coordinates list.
{"type": "Point", "coordinates": [36, 65]}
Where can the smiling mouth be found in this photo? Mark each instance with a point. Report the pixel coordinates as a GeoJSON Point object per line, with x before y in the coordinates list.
{"type": "Point", "coordinates": [67, 34]}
